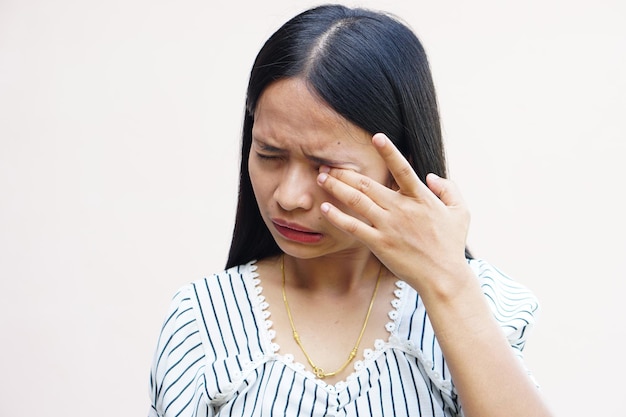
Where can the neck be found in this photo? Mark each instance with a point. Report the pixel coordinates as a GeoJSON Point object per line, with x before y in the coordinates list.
{"type": "Point", "coordinates": [336, 274]}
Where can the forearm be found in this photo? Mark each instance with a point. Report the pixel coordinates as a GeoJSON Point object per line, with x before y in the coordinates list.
{"type": "Point", "coordinates": [489, 378]}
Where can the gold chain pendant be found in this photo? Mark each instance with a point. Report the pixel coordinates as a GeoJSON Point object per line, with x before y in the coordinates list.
{"type": "Point", "coordinates": [317, 371]}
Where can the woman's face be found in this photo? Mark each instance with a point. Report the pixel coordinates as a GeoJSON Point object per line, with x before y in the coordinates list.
{"type": "Point", "coordinates": [294, 133]}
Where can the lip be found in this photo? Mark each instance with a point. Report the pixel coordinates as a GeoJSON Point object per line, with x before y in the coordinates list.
{"type": "Point", "coordinates": [296, 232]}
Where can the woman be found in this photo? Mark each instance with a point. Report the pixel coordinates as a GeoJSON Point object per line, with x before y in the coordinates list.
{"type": "Point", "coordinates": [348, 290]}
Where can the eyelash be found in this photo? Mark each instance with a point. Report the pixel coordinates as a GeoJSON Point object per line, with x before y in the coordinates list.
{"type": "Point", "coordinates": [270, 158]}
{"type": "Point", "coordinates": [265, 156]}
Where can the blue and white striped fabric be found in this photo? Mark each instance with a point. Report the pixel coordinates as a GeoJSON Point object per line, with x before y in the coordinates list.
{"type": "Point", "coordinates": [216, 357]}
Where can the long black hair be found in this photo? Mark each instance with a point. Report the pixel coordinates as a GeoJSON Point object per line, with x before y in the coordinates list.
{"type": "Point", "coordinates": [368, 67]}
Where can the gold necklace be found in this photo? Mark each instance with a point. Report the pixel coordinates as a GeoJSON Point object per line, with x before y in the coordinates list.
{"type": "Point", "coordinates": [319, 372]}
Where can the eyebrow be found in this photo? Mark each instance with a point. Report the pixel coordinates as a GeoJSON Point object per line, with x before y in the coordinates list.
{"type": "Point", "coordinates": [264, 146]}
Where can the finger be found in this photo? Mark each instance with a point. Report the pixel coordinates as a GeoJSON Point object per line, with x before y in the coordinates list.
{"type": "Point", "coordinates": [445, 190]}
{"type": "Point", "coordinates": [376, 191]}
{"type": "Point", "coordinates": [351, 225]}
{"type": "Point", "coordinates": [400, 169]}
{"type": "Point", "coordinates": [352, 198]}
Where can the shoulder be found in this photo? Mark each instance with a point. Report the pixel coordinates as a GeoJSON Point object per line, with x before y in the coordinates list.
{"type": "Point", "coordinates": [207, 319]}
{"type": "Point", "coordinates": [191, 298]}
{"type": "Point", "coordinates": [513, 305]}
{"type": "Point", "coordinates": [237, 276]}
{"type": "Point", "coordinates": [215, 297]}
{"type": "Point", "coordinates": [208, 300]}
{"type": "Point", "coordinates": [507, 297]}
{"type": "Point", "coordinates": [192, 294]}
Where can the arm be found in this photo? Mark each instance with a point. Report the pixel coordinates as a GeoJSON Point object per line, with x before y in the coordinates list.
{"type": "Point", "coordinates": [489, 378]}
{"type": "Point", "coordinates": [419, 233]}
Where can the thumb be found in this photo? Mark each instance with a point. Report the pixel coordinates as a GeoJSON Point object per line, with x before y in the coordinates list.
{"type": "Point", "coordinates": [445, 189]}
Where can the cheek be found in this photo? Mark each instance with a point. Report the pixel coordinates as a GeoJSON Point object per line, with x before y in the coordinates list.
{"type": "Point", "coordinates": [264, 182]}
{"type": "Point", "coordinates": [256, 179]}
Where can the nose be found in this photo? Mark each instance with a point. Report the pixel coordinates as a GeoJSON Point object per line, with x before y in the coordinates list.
{"type": "Point", "coordinates": [296, 189]}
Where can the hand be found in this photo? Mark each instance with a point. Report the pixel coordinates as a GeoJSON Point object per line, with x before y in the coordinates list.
{"type": "Point", "coordinates": [418, 232]}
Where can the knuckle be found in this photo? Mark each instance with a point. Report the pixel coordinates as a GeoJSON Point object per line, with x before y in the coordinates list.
{"type": "Point", "coordinates": [406, 171]}
{"type": "Point", "coordinates": [355, 199]}
{"type": "Point", "coordinates": [337, 173]}
{"type": "Point", "coordinates": [352, 226]}
{"type": "Point", "coordinates": [364, 184]}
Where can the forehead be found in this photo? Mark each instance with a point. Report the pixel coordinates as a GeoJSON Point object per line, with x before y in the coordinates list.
{"type": "Point", "coordinates": [289, 114]}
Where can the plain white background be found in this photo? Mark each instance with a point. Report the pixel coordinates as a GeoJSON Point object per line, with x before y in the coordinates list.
{"type": "Point", "coordinates": [119, 134]}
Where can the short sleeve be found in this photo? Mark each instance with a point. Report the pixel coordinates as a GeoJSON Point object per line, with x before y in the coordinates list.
{"type": "Point", "coordinates": [176, 377]}
{"type": "Point", "coordinates": [513, 305]}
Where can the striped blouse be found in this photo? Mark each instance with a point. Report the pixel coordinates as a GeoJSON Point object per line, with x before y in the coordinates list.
{"type": "Point", "coordinates": [216, 356]}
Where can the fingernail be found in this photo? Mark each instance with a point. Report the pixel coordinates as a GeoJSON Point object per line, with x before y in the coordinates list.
{"type": "Point", "coordinates": [379, 140]}
{"type": "Point", "coordinates": [325, 207]}
{"type": "Point", "coordinates": [325, 169]}
{"type": "Point", "coordinates": [321, 178]}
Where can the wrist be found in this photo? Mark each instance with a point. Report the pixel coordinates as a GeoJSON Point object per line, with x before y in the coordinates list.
{"type": "Point", "coordinates": [447, 283]}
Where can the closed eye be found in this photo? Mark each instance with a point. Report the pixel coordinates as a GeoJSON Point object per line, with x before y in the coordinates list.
{"type": "Point", "coordinates": [266, 152]}
{"type": "Point", "coordinates": [268, 157]}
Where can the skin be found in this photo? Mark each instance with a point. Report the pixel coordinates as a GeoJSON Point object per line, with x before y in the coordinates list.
{"type": "Point", "coordinates": [366, 207]}
{"type": "Point", "coordinates": [330, 281]}
{"type": "Point", "coordinates": [293, 136]}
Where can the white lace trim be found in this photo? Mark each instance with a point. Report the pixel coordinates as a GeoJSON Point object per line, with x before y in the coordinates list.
{"type": "Point", "coordinates": [380, 345]}
{"type": "Point", "coordinates": [369, 355]}
{"type": "Point", "coordinates": [444, 385]}
{"type": "Point", "coordinates": [263, 308]}
{"type": "Point", "coordinates": [409, 346]}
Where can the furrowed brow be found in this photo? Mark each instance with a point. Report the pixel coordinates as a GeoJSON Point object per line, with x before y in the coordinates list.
{"type": "Point", "coordinates": [267, 147]}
